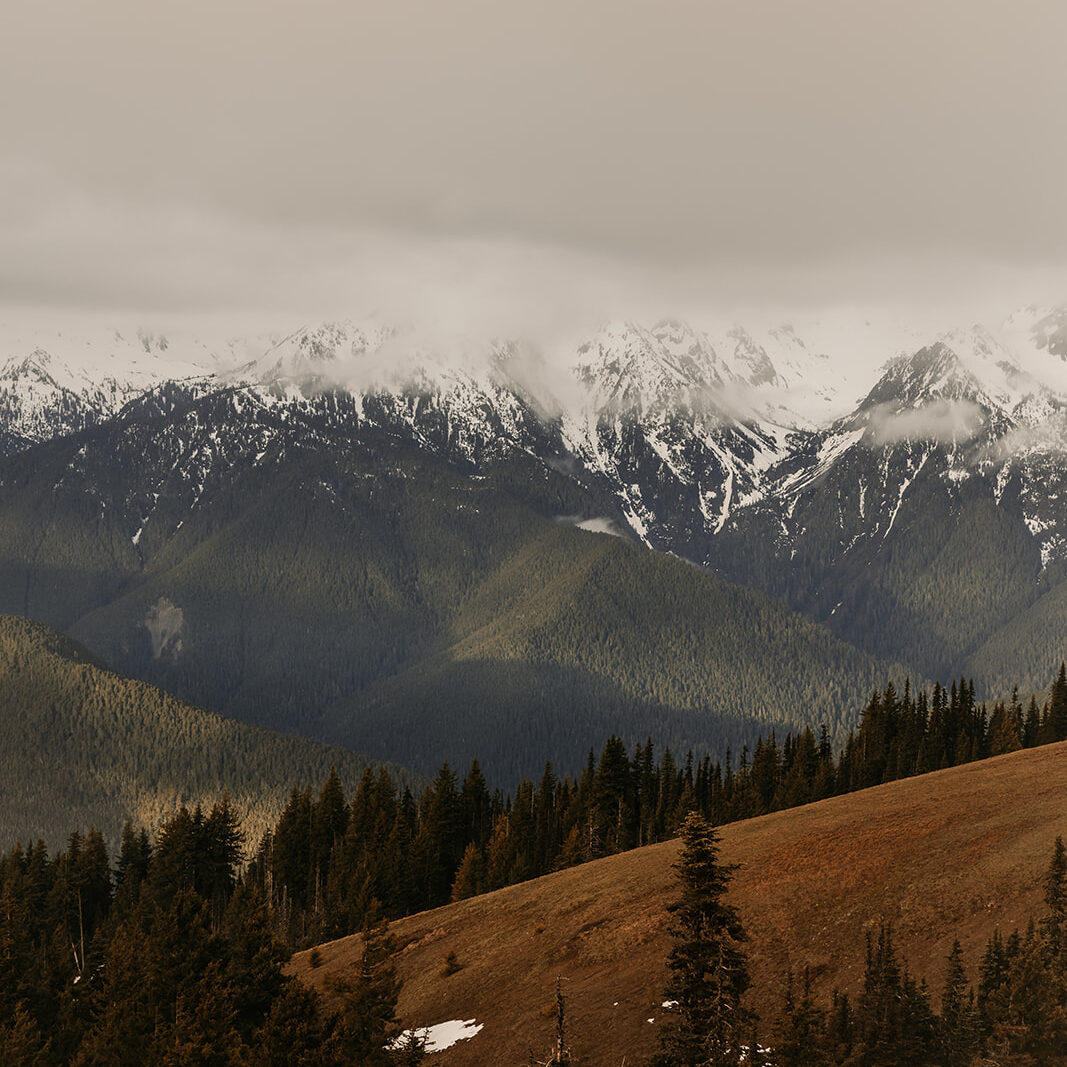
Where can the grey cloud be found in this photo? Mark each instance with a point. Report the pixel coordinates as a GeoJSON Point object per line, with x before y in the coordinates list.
{"type": "Point", "coordinates": [597, 525]}
{"type": "Point", "coordinates": [730, 151]}
{"type": "Point", "coordinates": [602, 526]}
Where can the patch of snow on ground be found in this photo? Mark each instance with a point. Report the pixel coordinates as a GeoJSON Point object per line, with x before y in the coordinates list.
{"type": "Point", "coordinates": [444, 1035]}
{"type": "Point", "coordinates": [1050, 549]}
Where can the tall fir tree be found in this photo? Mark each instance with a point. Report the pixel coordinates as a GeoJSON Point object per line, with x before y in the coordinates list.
{"type": "Point", "coordinates": [708, 968]}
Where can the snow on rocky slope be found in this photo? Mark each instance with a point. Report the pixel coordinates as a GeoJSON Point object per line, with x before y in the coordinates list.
{"type": "Point", "coordinates": [688, 429]}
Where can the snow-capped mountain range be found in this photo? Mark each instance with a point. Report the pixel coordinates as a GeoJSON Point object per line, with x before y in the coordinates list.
{"type": "Point", "coordinates": [687, 428]}
{"type": "Point", "coordinates": [907, 491]}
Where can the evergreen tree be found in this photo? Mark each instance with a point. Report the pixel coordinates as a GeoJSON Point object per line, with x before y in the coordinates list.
{"type": "Point", "coordinates": [1057, 706]}
{"type": "Point", "coordinates": [707, 964]}
{"type": "Point", "coordinates": [1056, 888]}
{"type": "Point", "coordinates": [800, 1039]}
{"type": "Point", "coordinates": [21, 1043]}
{"type": "Point", "coordinates": [470, 878]}
{"type": "Point", "coordinates": [1003, 731]}
{"type": "Point", "coordinates": [959, 1016]}
{"type": "Point", "coordinates": [893, 1021]}
{"type": "Point", "coordinates": [365, 1025]}
{"type": "Point", "coordinates": [1032, 725]}
{"type": "Point", "coordinates": [292, 1034]}
{"type": "Point", "coordinates": [613, 799]}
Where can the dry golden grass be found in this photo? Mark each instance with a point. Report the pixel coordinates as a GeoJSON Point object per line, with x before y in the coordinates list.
{"type": "Point", "coordinates": [951, 854]}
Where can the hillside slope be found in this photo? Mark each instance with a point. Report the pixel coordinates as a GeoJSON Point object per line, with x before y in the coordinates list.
{"type": "Point", "coordinates": [82, 745]}
{"type": "Point", "coordinates": [953, 854]}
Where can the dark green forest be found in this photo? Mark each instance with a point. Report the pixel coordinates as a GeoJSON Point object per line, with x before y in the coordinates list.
{"type": "Point", "coordinates": [329, 859]}
{"type": "Point", "coordinates": [957, 585]}
{"type": "Point", "coordinates": [170, 958]}
{"type": "Point", "coordinates": [82, 745]}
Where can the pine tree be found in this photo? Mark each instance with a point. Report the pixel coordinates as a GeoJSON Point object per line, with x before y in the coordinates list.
{"type": "Point", "coordinates": [1056, 888]}
{"type": "Point", "coordinates": [1057, 705]}
{"type": "Point", "coordinates": [893, 1021]}
{"type": "Point", "coordinates": [409, 1050]}
{"type": "Point", "coordinates": [1032, 724]}
{"type": "Point", "coordinates": [475, 806]}
{"type": "Point", "coordinates": [21, 1043]}
{"type": "Point", "coordinates": [840, 1030]}
{"type": "Point", "coordinates": [365, 1024]}
{"type": "Point", "coordinates": [254, 958]}
{"type": "Point", "coordinates": [800, 1038]}
{"type": "Point", "coordinates": [959, 1017]}
{"type": "Point", "coordinates": [708, 970]}
{"type": "Point", "coordinates": [292, 1034]}
{"type": "Point", "coordinates": [1003, 731]}
{"type": "Point", "coordinates": [470, 878]}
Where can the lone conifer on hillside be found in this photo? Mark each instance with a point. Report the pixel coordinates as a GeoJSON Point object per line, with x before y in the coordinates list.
{"type": "Point", "coordinates": [708, 971]}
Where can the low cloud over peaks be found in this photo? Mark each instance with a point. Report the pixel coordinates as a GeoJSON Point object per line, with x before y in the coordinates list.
{"type": "Point", "coordinates": [943, 421]}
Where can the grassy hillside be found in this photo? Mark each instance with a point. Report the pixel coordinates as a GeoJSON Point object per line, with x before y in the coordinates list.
{"type": "Point", "coordinates": [954, 854]}
{"type": "Point", "coordinates": [82, 745]}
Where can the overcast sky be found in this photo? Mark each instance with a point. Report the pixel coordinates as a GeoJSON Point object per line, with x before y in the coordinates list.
{"type": "Point", "coordinates": [505, 160]}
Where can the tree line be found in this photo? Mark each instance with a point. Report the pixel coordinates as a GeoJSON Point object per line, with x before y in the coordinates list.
{"type": "Point", "coordinates": [329, 859]}
{"type": "Point", "coordinates": [172, 954]}
{"type": "Point", "coordinates": [171, 958]}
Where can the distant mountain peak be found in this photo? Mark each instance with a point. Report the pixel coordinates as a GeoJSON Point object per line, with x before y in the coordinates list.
{"type": "Point", "coordinates": [933, 373]}
{"type": "Point", "coordinates": [33, 367]}
{"type": "Point", "coordinates": [1050, 332]}
{"type": "Point", "coordinates": [670, 365]}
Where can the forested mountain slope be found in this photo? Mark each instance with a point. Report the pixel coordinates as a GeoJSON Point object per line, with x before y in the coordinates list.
{"type": "Point", "coordinates": [927, 521]}
{"type": "Point", "coordinates": [301, 569]}
{"type": "Point", "coordinates": [577, 636]}
{"type": "Point", "coordinates": [958, 853]}
{"type": "Point", "coordinates": [85, 746]}
{"type": "Point", "coordinates": [346, 529]}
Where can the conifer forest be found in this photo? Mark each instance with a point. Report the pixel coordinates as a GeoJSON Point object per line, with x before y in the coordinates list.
{"type": "Point", "coordinates": [171, 950]}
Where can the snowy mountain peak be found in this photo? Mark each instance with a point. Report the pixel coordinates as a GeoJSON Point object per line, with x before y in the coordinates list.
{"type": "Point", "coordinates": [311, 353]}
{"type": "Point", "coordinates": [634, 368]}
{"type": "Point", "coordinates": [964, 366]}
{"type": "Point", "coordinates": [751, 359]}
{"type": "Point", "coordinates": [1050, 332]}
{"type": "Point", "coordinates": [33, 367]}
{"type": "Point", "coordinates": [933, 373]}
